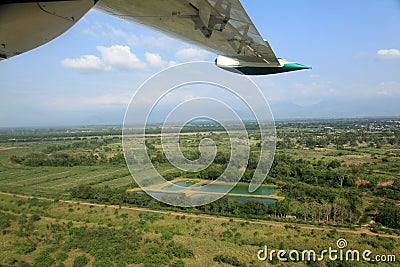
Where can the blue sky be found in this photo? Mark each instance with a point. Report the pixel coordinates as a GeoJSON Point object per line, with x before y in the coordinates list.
{"type": "Point", "coordinates": [88, 75]}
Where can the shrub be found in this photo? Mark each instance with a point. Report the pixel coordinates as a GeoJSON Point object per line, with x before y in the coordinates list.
{"type": "Point", "coordinates": [35, 218]}
{"type": "Point", "coordinates": [167, 235]}
{"type": "Point", "coordinates": [80, 261]}
{"type": "Point", "coordinates": [180, 251]}
{"type": "Point", "coordinates": [103, 263]}
{"type": "Point", "coordinates": [26, 248]}
{"type": "Point", "coordinates": [62, 256]}
{"type": "Point", "coordinates": [178, 263]}
{"type": "Point", "coordinates": [44, 259]}
{"type": "Point", "coordinates": [4, 221]}
{"type": "Point", "coordinates": [229, 260]}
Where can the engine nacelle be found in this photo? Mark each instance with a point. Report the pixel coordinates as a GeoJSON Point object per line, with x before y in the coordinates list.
{"type": "Point", "coordinates": [25, 25]}
{"type": "Point", "coordinates": [250, 68]}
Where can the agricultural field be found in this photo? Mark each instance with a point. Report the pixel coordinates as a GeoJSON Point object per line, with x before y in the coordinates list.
{"type": "Point", "coordinates": [67, 197]}
{"type": "Point", "coordinates": [71, 161]}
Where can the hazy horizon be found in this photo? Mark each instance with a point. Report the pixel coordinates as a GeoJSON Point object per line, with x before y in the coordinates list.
{"type": "Point", "coordinates": [159, 123]}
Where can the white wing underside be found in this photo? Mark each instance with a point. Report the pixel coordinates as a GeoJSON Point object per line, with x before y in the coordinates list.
{"type": "Point", "coordinates": [221, 26]}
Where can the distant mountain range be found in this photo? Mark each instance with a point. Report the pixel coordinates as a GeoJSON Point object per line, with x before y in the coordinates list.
{"type": "Point", "coordinates": [342, 108]}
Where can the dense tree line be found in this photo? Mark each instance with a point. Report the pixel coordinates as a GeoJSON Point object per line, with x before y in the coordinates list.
{"type": "Point", "coordinates": [35, 135]}
{"type": "Point", "coordinates": [62, 159]}
{"type": "Point", "coordinates": [92, 144]}
{"type": "Point", "coordinates": [389, 215]}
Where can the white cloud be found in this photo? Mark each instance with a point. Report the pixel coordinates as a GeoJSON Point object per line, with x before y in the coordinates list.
{"type": "Point", "coordinates": [192, 54]}
{"type": "Point", "coordinates": [121, 57]}
{"type": "Point", "coordinates": [86, 63]}
{"type": "Point", "coordinates": [116, 57]}
{"type": "Point", "coordinates": [388, 54]}
{"type": "Point", "coordinates": [155, 60]}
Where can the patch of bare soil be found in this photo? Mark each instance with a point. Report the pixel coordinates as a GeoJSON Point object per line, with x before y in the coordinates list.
{"type": "Point", "coordinates": [385, 184]}
{"type": "Point", "coordinates": [361, 182]}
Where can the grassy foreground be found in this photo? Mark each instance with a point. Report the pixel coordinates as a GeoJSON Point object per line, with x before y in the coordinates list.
{"type": "Point", "coordinates": [45, 232]}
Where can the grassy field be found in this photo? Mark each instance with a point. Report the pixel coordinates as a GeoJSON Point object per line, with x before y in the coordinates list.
{"type": "Point", "coordinates": [207, 237]}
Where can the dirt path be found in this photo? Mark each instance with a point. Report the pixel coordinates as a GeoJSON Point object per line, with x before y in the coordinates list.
{"type": "Point", "coordinates": [204, 216]}
{"type": "Point", "coordinates": [7, 148]}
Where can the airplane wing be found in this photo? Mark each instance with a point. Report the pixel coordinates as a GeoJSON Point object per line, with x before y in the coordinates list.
{"type": "Point", "coordinates": [220, 26]}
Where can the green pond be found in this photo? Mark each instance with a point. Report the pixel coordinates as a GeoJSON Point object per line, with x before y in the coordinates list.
{"type": "Point", "coordinates": [218, 188]}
